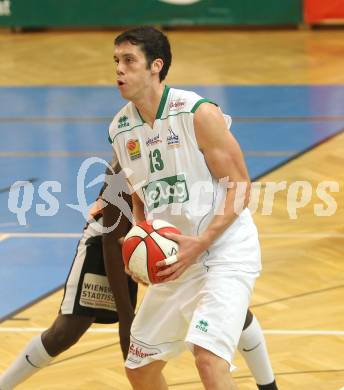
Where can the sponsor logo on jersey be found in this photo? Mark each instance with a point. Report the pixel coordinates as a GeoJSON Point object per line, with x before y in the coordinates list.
{"type": "Point", "coordinates": [153, 140]}
{"type": "Point", "coordinates": [123, 121]}
{"type": "Point", "coordinates": [202, 325]}
{"type": "Point", "coordinates": [138, 352]}
{"type": "Point", "coordinates": [172, 138]}
{"type": "Point", "coordinates": [133, 148]}
{"type": "Point", "coordinates": [166, 191]}
{"type": "Point", "coordinates": [176, 105]}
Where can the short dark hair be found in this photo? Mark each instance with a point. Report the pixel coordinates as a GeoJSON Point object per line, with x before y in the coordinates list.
{"type": "Point", "coordinates": [152, 42]}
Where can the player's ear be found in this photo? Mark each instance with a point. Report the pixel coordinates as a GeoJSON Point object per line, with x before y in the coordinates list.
{"type": "Point", "coordinates": [157, 65]}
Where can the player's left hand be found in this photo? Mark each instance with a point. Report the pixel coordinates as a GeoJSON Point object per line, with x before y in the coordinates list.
{"type": "Point", "coordinates": [134, 277]}
{"type": "Point", "coordinates": [96, 208]}
{"type": "Point", "coordinates": [190, 248]}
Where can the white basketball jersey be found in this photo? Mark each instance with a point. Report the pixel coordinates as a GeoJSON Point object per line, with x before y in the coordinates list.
{"type": "Point", "coordinates": [165, 166]}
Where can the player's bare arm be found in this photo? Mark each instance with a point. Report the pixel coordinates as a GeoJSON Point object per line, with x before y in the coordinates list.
{"type": "Point", "coordinates": [138, 208]}
{"type": "Point", "coordinates": [112, 214]}
{"type": "Point", "coordinates": [225, 160]}
{"type": "Point", "coordinates": [139, 216]}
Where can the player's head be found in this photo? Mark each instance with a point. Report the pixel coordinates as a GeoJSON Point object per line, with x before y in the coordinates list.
{"type": "Point", "coordinates": [153, 43]}
{"type": "Point", "coordinates": [143, 57]}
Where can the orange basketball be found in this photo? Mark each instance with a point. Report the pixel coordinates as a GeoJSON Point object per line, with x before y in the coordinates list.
{"type": "Point", "coordinates": [145, 245]}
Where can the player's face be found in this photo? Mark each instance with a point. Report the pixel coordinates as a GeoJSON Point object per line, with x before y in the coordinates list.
{"type": "Point", "coordinates": [133, 76]}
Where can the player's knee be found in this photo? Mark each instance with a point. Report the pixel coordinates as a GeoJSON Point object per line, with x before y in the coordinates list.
{"type": "Point", "coordinates": [66, 338]}
{"type": "Point", "coordinates": [204, 366]}
{"type": "Point", "coordinates": [248, 319]}
{"type": "Point", "coordinates": [55, 342]}
{"type": "Point", "coordinates": [210, 366]}
{"type": "Point", "coordinates": [133, 374]}
{"type": "Point", "coordinates": [145, 377]}
{"type": "Point", "coordinates": [138, 375]}
{"type": "Point", "coordinates": [59, 338]}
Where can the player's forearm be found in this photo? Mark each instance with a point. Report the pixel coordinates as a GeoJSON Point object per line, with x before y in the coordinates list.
{"type": "Point", "coordinates": [138, 209]}
{"type": "Point", "coordinates": [124, 338]}
{"type": "Point", "coordinates": [117, 278]}
{"type": "Point", "coordinates": [235, 202]}
{"type": "Point", "coordinates": [113, 260]}
{"type": "Point", "coordinates": [118, 281]}
{"type": "Point", "coordinates": [139, 215]}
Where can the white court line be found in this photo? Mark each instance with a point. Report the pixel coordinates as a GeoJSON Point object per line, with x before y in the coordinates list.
{"type": "Point", "coordinates": [305, 332]}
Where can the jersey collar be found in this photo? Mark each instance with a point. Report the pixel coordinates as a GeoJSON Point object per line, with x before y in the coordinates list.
{"type": "Point", "coordinates": [161, 104]}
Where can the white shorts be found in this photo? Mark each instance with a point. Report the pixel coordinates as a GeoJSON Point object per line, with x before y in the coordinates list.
{"type": "Point", "coordinates": [206, 307]}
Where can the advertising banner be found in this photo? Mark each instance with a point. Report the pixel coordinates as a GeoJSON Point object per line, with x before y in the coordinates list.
{"type": "Point", "coordinates": [109, 13]}
{"type": "Point", "coordinates": [320, 10]}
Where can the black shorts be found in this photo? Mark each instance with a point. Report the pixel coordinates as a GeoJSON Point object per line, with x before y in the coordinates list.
{"type": "Point", "coordinates": [87, 291]}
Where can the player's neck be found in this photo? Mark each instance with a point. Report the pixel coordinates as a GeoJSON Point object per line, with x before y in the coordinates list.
{"type": "Point", "coordinates": [148, 103]}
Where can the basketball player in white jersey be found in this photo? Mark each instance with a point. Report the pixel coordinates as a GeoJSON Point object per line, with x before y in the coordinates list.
{"type": "Point", "coordinates": [74, 319]}
{"type": "Point", "coordinates": [184, 166]}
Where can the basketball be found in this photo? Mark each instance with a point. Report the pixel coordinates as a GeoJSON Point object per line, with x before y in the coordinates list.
{"type": "Point", "coordinates": [145, 245]}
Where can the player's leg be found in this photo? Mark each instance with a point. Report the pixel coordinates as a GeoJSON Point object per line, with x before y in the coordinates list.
{"type": "Point", "coordinates": [41, 350]}
{"type": "Point", "coordinates": [210, 368]}
{"type": "Point", "coordinates": [253, 349]}
{"type": "Point", "coordinates": [148, 377]}
{"type": "Point", "coordinates": [160, 326]}
{"type": "Point", "coordinates": [217, 323]}
{"type": "Point", "coordinates": [65, 332]}
{"type": "Point", "coordinates": [75, 317]}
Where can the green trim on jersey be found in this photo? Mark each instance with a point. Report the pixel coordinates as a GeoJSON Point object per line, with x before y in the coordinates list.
{"type": "Point", "coordinates": [162, 102]}
{"type": "Point", "coordinates": [178, 113]}
{"type": "Point", "coordinates": [124, 131]}
{"type": "Point", "coordinates": [194, 108]}
{"type": "Point", "coordinates": [161, 109]}
{"type": "Point", "coordinates": [143, 121]}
